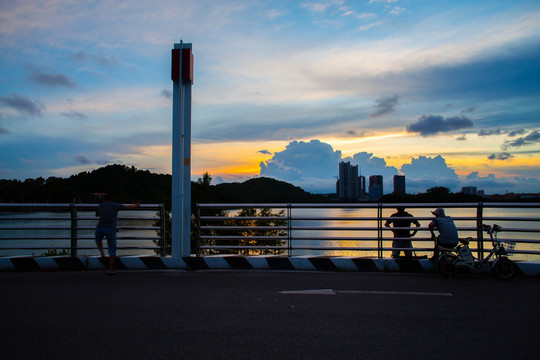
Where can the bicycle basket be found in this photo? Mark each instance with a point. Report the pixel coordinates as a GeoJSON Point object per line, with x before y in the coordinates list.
{"type": "Point", "coordinates": [508, 246]}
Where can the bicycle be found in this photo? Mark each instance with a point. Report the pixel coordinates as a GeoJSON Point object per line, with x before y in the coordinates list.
{"type": "Point", "coordinates": [451, 259]}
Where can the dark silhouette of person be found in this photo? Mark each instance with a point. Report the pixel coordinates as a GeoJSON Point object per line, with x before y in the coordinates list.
{"type": "Point", "coordinates": [106, 227]}
{"type": "Point", "coordinates": [448, 234]}
{"type": "Point", "coordinates": [402, 233]}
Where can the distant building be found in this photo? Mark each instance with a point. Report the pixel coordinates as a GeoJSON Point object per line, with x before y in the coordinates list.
{"type": "Point", "coordinates": [361, 187]}
{"type": "Point", "coordinates": [347, 184]}
{"type": "Point", "coordinates": [375, 187]}
{"type": "Point", "coordinates": [399, 184]}
{"type": "Point", "coordinates": [469, 190]}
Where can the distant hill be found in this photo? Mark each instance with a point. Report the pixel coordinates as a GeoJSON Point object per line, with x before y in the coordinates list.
{"type": "Point", "coordinates": [128, 185]}
{"type": "Point", "coordinates": [262, 190]}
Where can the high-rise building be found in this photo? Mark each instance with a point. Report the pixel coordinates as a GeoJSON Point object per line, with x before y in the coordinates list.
{"type": "Point", "coordinates": [347, 185]}
{"type": "Point", "coordinates": [399, 184]}
{"type": "Point", "coordinates": [469, 190]}
{"type": "Point", "coordinates": [375, 187]}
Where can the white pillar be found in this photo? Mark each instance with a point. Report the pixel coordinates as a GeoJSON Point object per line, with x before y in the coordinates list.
{"type": "Point", "coordinates": [181, 152]}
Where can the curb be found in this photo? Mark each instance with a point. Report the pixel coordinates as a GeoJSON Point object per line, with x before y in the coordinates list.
{"type": "Point", "coordinates": [235, 262]}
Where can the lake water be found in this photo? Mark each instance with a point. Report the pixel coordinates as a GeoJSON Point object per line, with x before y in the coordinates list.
{"type": "Point", "coordinates": [421, 239]}
{"type": "Point", "coordinates": [527, 241]}
{"type": "Point", "coordinates": [60, 237]}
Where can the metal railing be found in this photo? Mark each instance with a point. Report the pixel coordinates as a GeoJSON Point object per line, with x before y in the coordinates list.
{"type": "Point", "coordinates": [66, 229]}
{"type": "Point", "coordinates": [354, 229]}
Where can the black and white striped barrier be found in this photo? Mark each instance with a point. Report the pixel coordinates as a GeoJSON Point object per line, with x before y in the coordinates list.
{"type": "Point", "coordinates": [233, 262]}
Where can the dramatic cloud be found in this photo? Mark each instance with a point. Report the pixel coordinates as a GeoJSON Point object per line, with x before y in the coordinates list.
{"type": "Point", "coordinates": [489, 132]}
{"type": "Point", "coordinates": [371, 165]}
{"type": "Point", "coordinates": [532, 138]}
{"type": "Point", "coordinates": [501, 156]}
{"type": "Point", "coordinates": [428, 167]}
{"type": "Point", "coordinates": [49, 77]}
{"type": "Point", "coordinates": [428, 125]}
{"type": "Point", "coordinates": [385, 105]}
{"type": "Point", "coordinates": [301, 160]}
{"type": "Point", "coordinates": [22, 105]}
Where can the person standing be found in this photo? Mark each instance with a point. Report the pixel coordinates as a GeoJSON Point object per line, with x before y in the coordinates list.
{"type": "Point", "coordinates": [106, 227]}
{"type": "Point", "coordinates": [402, 233]}
{"type": "Point", "coordinates": [448, 234]}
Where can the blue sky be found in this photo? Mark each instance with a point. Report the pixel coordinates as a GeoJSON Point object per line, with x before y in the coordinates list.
{"type": "Point", "coordinates": [445, 92]}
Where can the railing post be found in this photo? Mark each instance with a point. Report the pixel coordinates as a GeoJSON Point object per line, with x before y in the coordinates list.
{"type": "Point", "coordinates": [379, 232]}
{"type": "Point", "coordinates": [479, 230]}
{"type": "Point", "coordinates": [198, 230]}
{"type": "Point", "coordinates": [74, 225]}
{"type": "Point", "coordinates": [163, 225]}
{"type": "Point", "coordinates": [289, 230]}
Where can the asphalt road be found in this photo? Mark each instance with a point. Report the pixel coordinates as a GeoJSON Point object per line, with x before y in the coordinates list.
{"type": "Point", "coordinates": [267, 315]}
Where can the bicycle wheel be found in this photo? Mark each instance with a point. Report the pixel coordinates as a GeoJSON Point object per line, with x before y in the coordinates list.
{"type": "Point", "coordinates": [504, 268]}
{"type": "Point", "coordinates": [446, 265]}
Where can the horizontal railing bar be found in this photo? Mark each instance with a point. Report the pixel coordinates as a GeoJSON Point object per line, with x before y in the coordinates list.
{"type": "Point", "coordinates": [9, 228]}
{"type": "Point", "coordinates": [68, 205]}
{"type": "Point", "coordinates": [368, 205]}
{"type": "Point", "coordinates": [238, 218]}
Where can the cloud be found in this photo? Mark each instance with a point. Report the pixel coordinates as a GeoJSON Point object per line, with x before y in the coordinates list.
{"type": "Point", "coordinates": [301, 160]}
{"type": "Point", "coordinates": [264, 152]}
{"type": "Point", "coordinates": [461, 138]}
{"type": "Point", "coordinates": [370, 26]}
{"type": "Point", "coordinates": [372, 165]}
{"type": "Point", "coordinates": [166, 93]}
{"type": "Point", "coordinates": [83, 159]}
{"type": "Point", "coordinates": [428, 125]}
{"type": "Point", "coordinates": [3, 131]}
{"type": "Point", "coordinates": [274, 14]}
{"type": "Point", "coordinates": [385, 105]}
{"type": "Point", "coordinates": [490, 132]}
{"type": "Point", "coordinates": [517, 132]}
{"type": "Point", "coordinates": [318, 7]}
{"type": "Point", "coordinates": [396, 10]}
{"type": "Point", "coordinates": [49, 77]}
{"type": "Point", "coordinates": [472, 175]}
{"type": "Point", "coordinates": [357, 134]}
{"type": "Point", "coordinates": [532, 138]}
{"type": "Point", "coordinates": [425, 166]}
{"type": "Point", "coordinates": [74, 115]}
{"type": "Point", "coordinates": [23, 105]}
{"type": "Point", "coordinates": [500, 156]}
{"type": "Point", "coordinates": [100, 58]}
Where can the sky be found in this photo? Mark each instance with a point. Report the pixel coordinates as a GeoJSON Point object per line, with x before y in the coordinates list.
{"type": "Point", "coordinates": [446, 93]}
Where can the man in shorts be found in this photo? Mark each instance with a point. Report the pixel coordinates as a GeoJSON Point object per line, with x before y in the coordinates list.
{"type": "Point", "coordinates": [448, 234]}
{"type": "Point", "coordinates": [402, 233]}
{"type": "Point", "coordinates": [106, 227]}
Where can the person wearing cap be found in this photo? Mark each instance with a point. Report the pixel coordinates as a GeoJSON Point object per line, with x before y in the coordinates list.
{"type": "Point", "coordinates": [395, 218]}
{"type": "Point", "coordinates": [448, 234]}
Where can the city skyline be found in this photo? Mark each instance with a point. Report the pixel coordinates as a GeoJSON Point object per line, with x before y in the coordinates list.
{"type": "Point", "coordinates": [444, 93]}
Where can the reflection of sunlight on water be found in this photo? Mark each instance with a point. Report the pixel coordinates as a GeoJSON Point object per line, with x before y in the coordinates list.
{"type": "Point", "coordinates": [422, 239]}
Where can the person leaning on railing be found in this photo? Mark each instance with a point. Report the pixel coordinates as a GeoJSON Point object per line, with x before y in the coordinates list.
{"type": "Point", "coordinates": [106, 227]}
{"type": "Point", "coordinates": [405, 221]}
{"type": "Point", "coordinates": [448, 234]}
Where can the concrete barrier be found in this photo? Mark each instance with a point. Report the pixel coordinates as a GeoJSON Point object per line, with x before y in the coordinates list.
{"type": "Point", "coordinates": [235, 262]}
